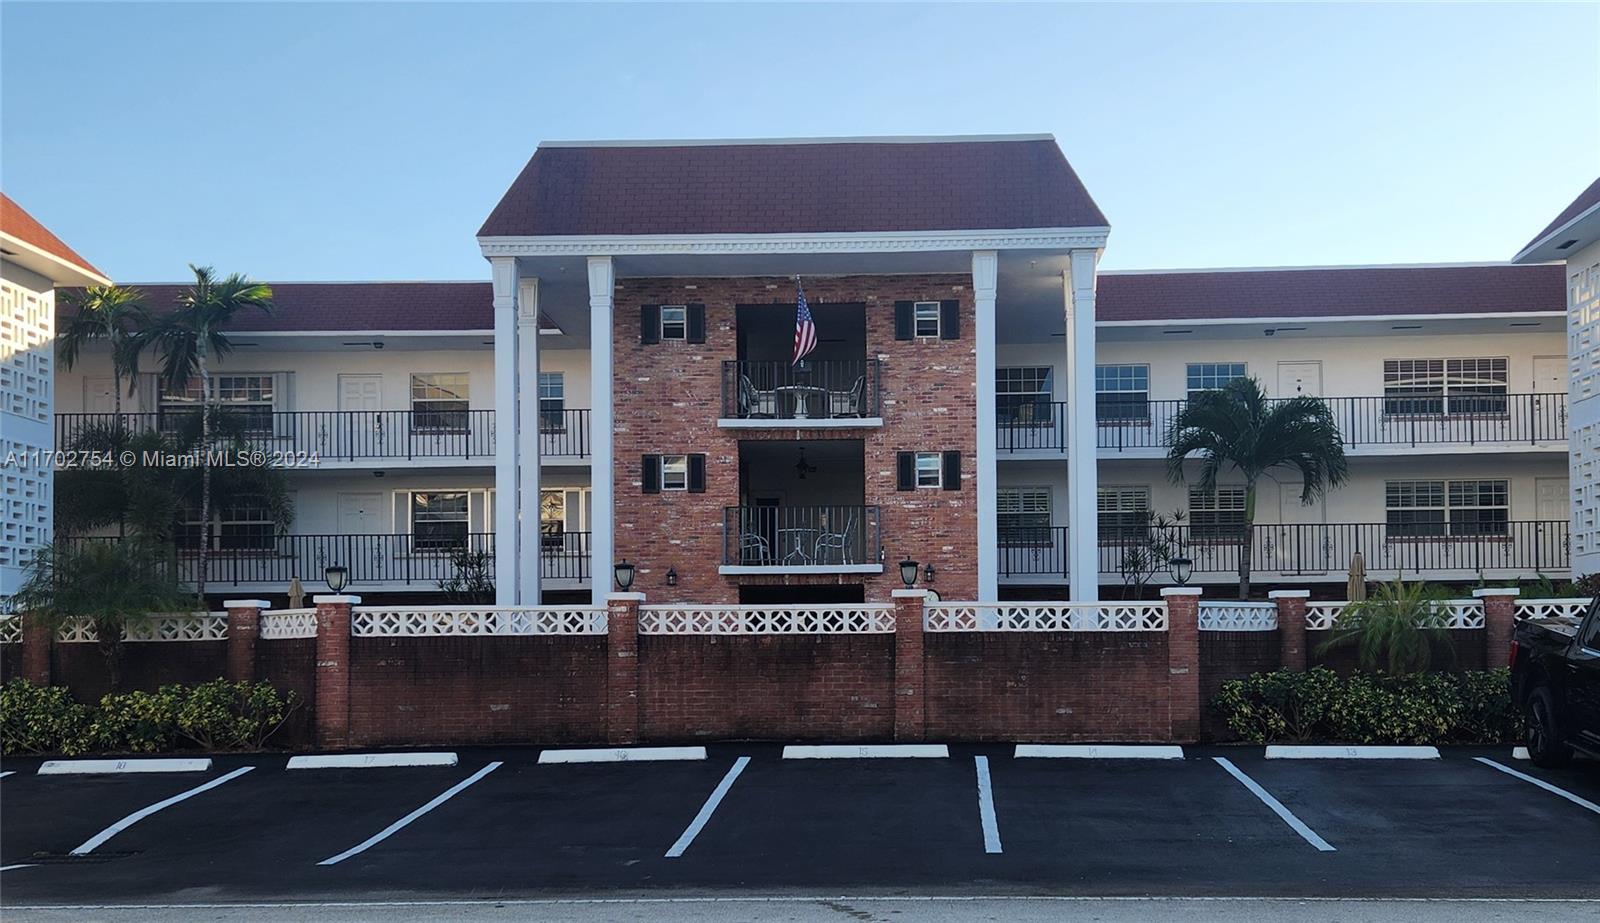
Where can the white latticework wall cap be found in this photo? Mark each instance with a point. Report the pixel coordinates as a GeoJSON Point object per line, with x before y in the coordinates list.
{"type": "Point", "coordinates": [624, 597]}
{"type": "Point", "coordinates": [334, 599]}
{"type": "Point", "coordinates": [908, 594]}
{"type": "Point", "coordinates": [246, 604]}
{"type": "Point", "coordinates": [1180, 591]}
{"type": "Point", "coordinates": [1289, 594]}
{"type": "Point", "coordinates": [1496, 591]}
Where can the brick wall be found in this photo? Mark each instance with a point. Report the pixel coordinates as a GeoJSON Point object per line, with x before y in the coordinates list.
{"type": "Point", "coordinates": [10, 662]}
{"type": "Point", "coordinates": [1057, 686]}
{"type": "Point", "coordinates": [289, 664]}
{"type": "Point", "coordinates": [773, 687]}
{"type": "Point", "coordinates": [435, 690]}
{"type": "Point", "coordinates": [668, 397]}
{"type": "Point", "coordinates": [1226, 655]}
{"type": "Point", "coordinates": [146, 666]}
{"type": "Point", "coordinates": [1466, 652]}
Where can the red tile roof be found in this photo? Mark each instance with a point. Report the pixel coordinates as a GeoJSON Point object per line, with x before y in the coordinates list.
{"type": "Point", "coordinates": [776, 188]}
{"type": "Point", "coordinates": [357, 307]}
{"type": "Point", "coordinates": [1586, 200]}
{"type": "Point", "coordinates": [1331, 292]}
{"type": "Point", "coordinates": [16, 221]}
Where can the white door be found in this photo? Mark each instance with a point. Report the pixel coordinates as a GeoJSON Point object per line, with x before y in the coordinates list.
{"type": "Point", "coordinates": [360, 392]}
{"type": "Point", "coordinates": [99, 395]}
{"type": "Point", "coordinates": [359, 431]}
{"type": "Point", "coordinates": [1549, 374]}
{"type": "Point", "coordinates": [1549, 423]}
{"type": "Point", "coordinates": [1297, 379]}
{"type": "Point", "coordinates": [361, 514]}
{"type": "Point", "coordinates": [1552, 504]}
{"type": "Point", "coordinates": [1301, 543]}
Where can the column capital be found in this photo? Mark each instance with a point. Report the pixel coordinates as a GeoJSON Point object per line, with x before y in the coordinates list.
{"type": "Point", "coordinates": [504, 275]}
{"type": "Point", "coordinates": [602, 278]}
{"type": "Point", "coordinates": [528, 303]}
{"type": "Point", "coordinates": [985, 272]}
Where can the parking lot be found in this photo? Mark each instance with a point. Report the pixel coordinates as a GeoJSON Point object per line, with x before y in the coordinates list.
{"type": "Point", "coordinates": [1220, 821]}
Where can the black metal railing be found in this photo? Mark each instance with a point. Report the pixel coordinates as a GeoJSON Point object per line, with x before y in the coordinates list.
{"type": "Point", "coordinates": [563, 433]}
{"type": "Point", "coordinates": [801, 536]}
{"type": "Point", "coordinates": [420, 561]}
{"type": "Point", "coordinates": [1129, 422]}
{"type": "Point", "coordinates": [1529, 546]}
{"type": "Point", "coordinates": [822, 389]}
{"type": "Point", "coordinates": [330, 434]}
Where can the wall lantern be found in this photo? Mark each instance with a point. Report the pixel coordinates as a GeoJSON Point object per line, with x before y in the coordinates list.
{"type": "Point", "coordinates": [672, 576]}
{"type": "Point", "coordinates": [927, 572]}
{"type": "Point", "coordinates": [624, 572]}
{"type": "Point", "coordinates": [337, 576]}
{"type": "Point", "coordinates": [1181, 568]}
{"type": "Point", "coordinates": [908, 572]}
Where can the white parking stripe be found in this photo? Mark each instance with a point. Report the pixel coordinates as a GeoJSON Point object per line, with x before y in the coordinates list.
{"type": "Point", "coordinates": [991, 827]}
{"type": "Point", "coordinates": [1287, 816]}
{"type": "Point", "coordinates": [707, 809]}
{"type": "Point", "coordinates": [403, 822]}
{"type": "Point", "coordinates": [98, 839]}
{"type": "Point", "coordinates": [20, 865]}
{"type": "Point", "coordinates": [1580, 802]}
{"type": "Point", "coordinates": [8, 772]}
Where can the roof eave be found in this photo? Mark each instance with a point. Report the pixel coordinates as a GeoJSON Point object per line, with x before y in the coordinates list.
{"type": "Point", "coordinates": [1060, 238]}
{"type": "Point", "coordinates": [61, 272]}
{"type": "Point", "coordinates": [1585, 228]}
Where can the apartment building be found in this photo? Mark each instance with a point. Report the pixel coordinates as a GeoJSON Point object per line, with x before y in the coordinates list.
{"type": "Point", "coordinates": [642, 311]}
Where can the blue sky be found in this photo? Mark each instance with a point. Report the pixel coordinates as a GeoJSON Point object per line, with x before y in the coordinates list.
{"type": "Point", "coordinates": [369, 141]}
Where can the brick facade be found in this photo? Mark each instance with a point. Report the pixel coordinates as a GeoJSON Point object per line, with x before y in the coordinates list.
{"type": "Point", "coordinates": [668, 398]}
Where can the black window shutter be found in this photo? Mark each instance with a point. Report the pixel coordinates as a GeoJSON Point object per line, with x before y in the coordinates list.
{"type": "Point", "coordinates": [952, 470]}
{"type": "Point", "coordinates": [697, 323]}
{"type": "Point", "coordinates": [650, 474]}
{"type": "Point", "coordinates": [902, 320]}
{"type": "Point", "coordinates": [697, 474]}
{"type": "Point", "coordinates": [650, 323]}
{"type": "Point", "coordinates": [905, 471]}
{"type": "Point", "coordinates": [949, 320]}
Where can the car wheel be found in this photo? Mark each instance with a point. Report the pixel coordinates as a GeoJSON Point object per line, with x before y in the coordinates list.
{"type": "Point", "coordinates": [1542, 733]}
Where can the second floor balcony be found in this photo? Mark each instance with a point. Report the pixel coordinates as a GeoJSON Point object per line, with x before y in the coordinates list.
{"type": "Point", "coordinates": [835, 539]}
{"type": "Point", "coordinates": [811, 393]}
{"type": "Point", "coordinates": [1369, 425]}
{"type": "Point", "coordinates": [438, 436]}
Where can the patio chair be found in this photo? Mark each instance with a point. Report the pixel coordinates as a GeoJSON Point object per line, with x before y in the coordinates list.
{"type": "Point", "coordinates": [754, 545]}
{"type": "Point", "coordinates": [840, 541]}
{"type": "Point", "coordinates": [849, 403]}
{"type": "Point", "coordinates": [753, 402]}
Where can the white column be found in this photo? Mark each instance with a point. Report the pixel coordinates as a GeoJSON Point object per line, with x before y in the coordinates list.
{"type": "Point", "coordinates": [602, 286]}
{"type": "Point", "coordinates": [985, 270]}
{"type": "Point", "coordinates": [505, 424]}
{"type": "Point", "coordinates": [528, 543]}
{"type": "Point", "coordinates": [1083, 559]}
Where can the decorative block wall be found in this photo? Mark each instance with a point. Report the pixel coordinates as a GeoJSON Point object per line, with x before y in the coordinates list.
{"type": "Point", "coordinates": [27, 369]}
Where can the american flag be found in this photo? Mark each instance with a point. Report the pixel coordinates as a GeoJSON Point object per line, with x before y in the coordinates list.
{"type": "Point", "coordinates": [805, 330]}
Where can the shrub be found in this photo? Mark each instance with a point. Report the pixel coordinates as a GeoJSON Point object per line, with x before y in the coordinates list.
{"type": "Point", "coordinates": [43, 719]}
{"type": "Point", "coordinates": [218, 715]}
{"type": "Point", "coordinates": [1367, 708]}
{"type": "Point", "coordinates": [1397, 630]}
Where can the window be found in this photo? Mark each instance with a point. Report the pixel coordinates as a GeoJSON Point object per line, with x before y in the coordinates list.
{"type": "Point", "coordinates": [248, 398]}
{"type": "Point", "coordinates": [1124, 513]}
{"type": "Point", "coordinates": [1438, 386]}
{"type": "Point", "coordinates": [1122, 393]}
{"type": "Point", "coordinates": [674, 322]}
{"type": "Point", "coordinates": [553, 518]}
{"type": "Point", "coordinates": [1217, 516]}
{"type": "Point", "coordinates": [674, 472]}
{"type": "Point", "coordinates": [1022, 395]}
{"type": "Point", "coordinates": [1441, 508]}
{"type": "Point", "coordinates": [925, 317]}
{"type": "Point", "coordinates": [928, 469]}
{"type": "Point", "coordinates": [438, 520]}
{"type": "Point", "coordinates": [439, 401]}
{"type": "Point", "coordinates": [552, 402]}
{"type": "Point", "coordinates": [245, 524]}
{"type": "Point", "coordinates": [1209, 376]}
{"type": "Point", "coordinates": [1024, 516]}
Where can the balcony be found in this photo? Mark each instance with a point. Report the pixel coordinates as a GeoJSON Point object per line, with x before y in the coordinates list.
{"type": "Point", "coordinates": [1370, 425]}
{"type": "Point", "coordinates": [1310, 553]}
{"type": "Point", "coordinates": [814, 393]}
{"type": "Point", "coordinates": [352, 435]}
{"type": "Point", "coordinates": [802, 539]}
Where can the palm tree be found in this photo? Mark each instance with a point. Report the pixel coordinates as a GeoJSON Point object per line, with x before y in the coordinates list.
{"type": "Point", "coordinates": [188, 339]}
{"type": "Point", "coordinates": [116, 314]}
{"type": "Point", "coordinates": [1397, 630]}
{"type": "Point", "coordinates": [1238, 427]}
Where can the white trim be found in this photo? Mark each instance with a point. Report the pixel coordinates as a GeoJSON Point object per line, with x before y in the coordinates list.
{"type": "Point", "coordinates": [261, 604]}
{"type": "Point", "coordinates": [1325, 319]}
{"type": "Point", "coordinates": [847, 139]}
{"type": "Point", "coordinates": [1495, 591]}
{"type": "Point", "coordinates": [623, 755]}
{"type": "Point", "coordinates": [866, 752]}
{"type": "Point", "coordinates": [807, 424]}
{"type": "Point", "coordinates": [1289, 594]}
{"type": "Point", "coordinates": [78, 274]}
{"type": "Point", "coordinates": [1565, 228]}
{"type": "Point", "coordinates": [370, 760]}
{"type": "Point", "coordinates": [108, 767]}
{"type": "Point", "coordinates": [908, 594]}
{"type": "Point", "coordinates": [1181, 591]}
{"type": "Point", "coordinates": [623, 597]}
{"type": "Point", "coordinates": [1097, 752]}
{"type": "Point", "coordinates": [741, 569]}
{"type": "Point", "coordinates": [1351, 753]}
{"type": "Point", "coordinates": [332, 599]}
{"type": "Point", "coordinates": [602, 245]}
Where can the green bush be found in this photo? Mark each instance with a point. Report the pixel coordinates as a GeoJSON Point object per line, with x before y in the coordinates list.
{"type": "Point", "coordinates": [218, 715]}
{"type": "Point", "coordinates": [1368, 708]}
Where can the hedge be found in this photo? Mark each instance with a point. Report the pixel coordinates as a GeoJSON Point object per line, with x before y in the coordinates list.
{"type": "Point", "coordinates": [218, 715]}
{"type": "Point", "coordinates": [1368, 708]}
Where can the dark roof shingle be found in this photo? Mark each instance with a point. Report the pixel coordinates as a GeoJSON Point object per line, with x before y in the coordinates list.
{"type": "Point", "coordinates": [1356, 291]}
{"type": "Point", "coordinates": [355, 307]}
{"type": "Point", "coordinates": [777, 188]}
